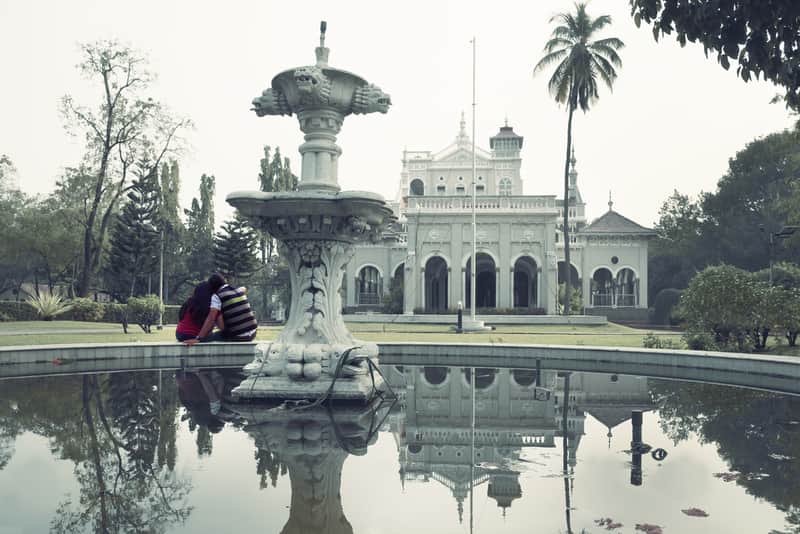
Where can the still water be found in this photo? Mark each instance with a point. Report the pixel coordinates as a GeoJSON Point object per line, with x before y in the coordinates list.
{"type": "Point", "coordinates": [519, 452]}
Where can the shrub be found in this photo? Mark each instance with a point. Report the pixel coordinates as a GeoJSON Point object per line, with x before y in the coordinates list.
{"type": "Point", "coordinates": [784, 274]}
{"type": "Point", "coordinates": [699, 341]}
{"type": "Point", "coordinates": [788, 320]}
{"type": "Point", "coordinates": [4, 317]}
{"type": "Point", "coordinates": [575, 299]}
{"type": "Point", "coordinates": [48, 305]}
{"type": "Point", "coordinates": [664, 305]}
{"type": "Point", "coordinates": [393, 300]}
{"type": "Point", "coordinates": [144, 311]}
{"type": "Point", "coordinates": [84, 309]}
{"type": "Point", "coordinates": [719, 301]}
{"type": "Point", "coordinates": [115, 312]}
{"type": "Point", "coordinates": [18, 310]}
{"type": "Point", "coordinates": [651, 341]}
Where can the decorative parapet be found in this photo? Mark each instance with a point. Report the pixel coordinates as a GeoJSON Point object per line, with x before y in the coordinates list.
{"type": "Point", "coordinates": [484, 203]}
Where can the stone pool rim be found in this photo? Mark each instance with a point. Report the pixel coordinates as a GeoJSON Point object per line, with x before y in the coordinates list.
{"type": "Point", "coordinates": [761, 371]}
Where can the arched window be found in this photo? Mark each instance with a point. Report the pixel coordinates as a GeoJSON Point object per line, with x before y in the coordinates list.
{"type": "Point", "coordinates": [417, 187]}
{"type": "Point", "coordinates": [504, 187]}
{"type": "Point", "coordinates": [368, 285]}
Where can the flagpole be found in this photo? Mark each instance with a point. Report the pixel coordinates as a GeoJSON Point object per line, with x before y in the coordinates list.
{"type": "Point", "coordinates": [474, 262]}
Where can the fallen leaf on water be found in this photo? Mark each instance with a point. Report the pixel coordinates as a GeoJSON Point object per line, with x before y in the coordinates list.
{"type": "Point", "coordinates": [695, 512]}
{"type": "Point", "coordinates": [649, 529]}
{"type": "Point", "coordinates": [727, 477]}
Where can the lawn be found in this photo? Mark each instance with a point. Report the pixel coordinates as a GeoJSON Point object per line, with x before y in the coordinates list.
{"type": "Point", "coordinates": [609, 335]}
{"type": "Point", "coordinates": [43, 333]}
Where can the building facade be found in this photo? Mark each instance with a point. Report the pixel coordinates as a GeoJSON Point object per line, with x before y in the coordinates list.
{"type": "Point", "coordinates": [426, 256]}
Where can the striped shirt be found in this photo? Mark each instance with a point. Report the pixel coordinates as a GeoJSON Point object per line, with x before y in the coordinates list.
{"type": "Point", "coordinates": [240, 322]}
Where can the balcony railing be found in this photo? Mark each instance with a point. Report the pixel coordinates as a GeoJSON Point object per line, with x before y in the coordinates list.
{"type": "Point", "coordinates": [483, 203]}
{"type": "Point", "coordinates": [368, 299]}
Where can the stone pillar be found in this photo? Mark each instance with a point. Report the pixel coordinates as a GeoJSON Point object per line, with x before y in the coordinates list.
{"type": "Point", "coordinates": [320, 152]}
{"type": "Point", "coordinates": [410, 283]}
{"type": "Point", "coordinates": [504, 299]}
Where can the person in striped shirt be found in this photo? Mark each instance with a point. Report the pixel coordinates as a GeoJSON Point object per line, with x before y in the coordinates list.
{"type": "Point", "coordinates": [230, 310]}
{"type": "Point", "coordinates": [237, 316]}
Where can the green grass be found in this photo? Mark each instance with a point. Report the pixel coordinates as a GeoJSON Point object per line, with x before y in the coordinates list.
{"type": "Point", "coordinates": [609, 335]}
{"type": "Point", "coordinates": [41, 326]}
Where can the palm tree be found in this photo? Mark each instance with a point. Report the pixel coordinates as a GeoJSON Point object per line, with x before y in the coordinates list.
{"type": "Point", "coordinates": [580, 61]}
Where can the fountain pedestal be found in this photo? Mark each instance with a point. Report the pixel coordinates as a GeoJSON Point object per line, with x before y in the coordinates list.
{"type": "Point", "coordinates": [317, 228]}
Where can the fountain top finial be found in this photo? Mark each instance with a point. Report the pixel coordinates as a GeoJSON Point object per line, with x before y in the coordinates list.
{"type": "Point", "coordinates": [322, 50]}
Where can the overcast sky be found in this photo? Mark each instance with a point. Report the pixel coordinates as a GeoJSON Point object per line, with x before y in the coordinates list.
{"type": "Point", "coordinates": [672, 121]}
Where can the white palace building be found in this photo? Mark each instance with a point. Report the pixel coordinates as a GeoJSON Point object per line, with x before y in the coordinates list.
{"type": "Point", "coordinates": [520, 249]}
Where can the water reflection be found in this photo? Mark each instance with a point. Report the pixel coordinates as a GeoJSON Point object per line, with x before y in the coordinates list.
{"type": "Point", "coordinates": [121, 434]}
{"type": "Point", "coordinates": [514, 409]}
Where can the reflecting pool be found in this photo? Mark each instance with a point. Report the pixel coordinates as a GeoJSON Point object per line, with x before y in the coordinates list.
{"type": "Point", "coordinates": [521, 451]}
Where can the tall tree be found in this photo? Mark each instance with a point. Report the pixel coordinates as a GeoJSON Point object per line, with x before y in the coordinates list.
{"type": "Point", "coordinates": [14, 267]}
{"type": "Point", "coordinates": [134, 246]}
{"type": "Point", "coordinates": [172, 230]}
{"type": "Point", "coordinates": [275, 174]}
{"type": "Point", "coordinates": [200, 230]}
{"type": "Point", "coordinates": [581, 63]}
{"type": "Point", "coordinates": [234, 251]}
{"type": "Point", "coordinates": [122, 126]}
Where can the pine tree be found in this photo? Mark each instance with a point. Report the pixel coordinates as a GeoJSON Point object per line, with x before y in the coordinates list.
{"type": "Point", "coordinates": [234, 251]}
{"type": "Point", "coordinates": [135, 242]}
{"type": "Point", "coordinates": [134, 411]}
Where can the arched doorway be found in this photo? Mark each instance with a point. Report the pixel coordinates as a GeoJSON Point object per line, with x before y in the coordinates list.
{"type": "Point", "coordinates": [526, 283]}
{"type": "Point", "coordinates": [394, 304]}
{"type": "Point", "coordinates": [574, 278]}
{"type": "Point", "coordinates": [486, 286]}
{"type": "Point", "coordinates": [602, 288]}
{"type": "Point", "coordinates": [416, 188]}
{"type": "Point", "coordinates": [435, 284]}
{"type": "Point", "coordinates": [368, 286]}
{"type": "Point", "coordinates": [626, 288]}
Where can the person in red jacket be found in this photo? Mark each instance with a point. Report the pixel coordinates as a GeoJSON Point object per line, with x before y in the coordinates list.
{"type": "Point", "coordinates": [195, 313]}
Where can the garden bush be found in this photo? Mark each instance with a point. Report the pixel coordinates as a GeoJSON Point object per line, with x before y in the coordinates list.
{"type": "Point", "coordinates": [651, 341]}
{"type": "Point", "coordinates": [84, 309]}
{"type": "Point", "coordinates": [664, 306]}
{"type": "Point", "coordinates": [738, 310]}
{"type": "Point", "coordinates": [18, 310]}
{"type": "Point", "coordinates": [144, 311]}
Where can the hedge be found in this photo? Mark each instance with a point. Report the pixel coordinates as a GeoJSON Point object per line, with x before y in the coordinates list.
{"type": "Point", "coordinates": [22, 311]}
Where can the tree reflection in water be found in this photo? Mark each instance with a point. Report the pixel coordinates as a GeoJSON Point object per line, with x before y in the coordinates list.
{"type": "Point", "coordinates": [119, 430]}
{"type": "Point", "coordinates": [757, 433]}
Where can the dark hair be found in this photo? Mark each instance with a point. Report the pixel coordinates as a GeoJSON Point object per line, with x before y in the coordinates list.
{"type": "Point", "coordinates": [216, 281]}
{"type": "Point", "coordinates": [198, 304]}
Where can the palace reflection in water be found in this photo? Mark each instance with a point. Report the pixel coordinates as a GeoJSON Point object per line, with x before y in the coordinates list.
{"type": "Point", "coordinates": [514, 409]}
{"type": "Point", "coordinates": [141, 448]}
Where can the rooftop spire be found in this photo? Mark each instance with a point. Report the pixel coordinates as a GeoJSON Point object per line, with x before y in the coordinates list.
{"type": "Point", "coordinates": [610, 202]}
{"type": "Point", "coordinates": [322, 51]}
{"type": "Point", "coordinates": [462, 138]}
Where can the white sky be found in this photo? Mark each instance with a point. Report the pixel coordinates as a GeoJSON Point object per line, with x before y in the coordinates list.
{"type": "Point", "coordinates": [673, 119]}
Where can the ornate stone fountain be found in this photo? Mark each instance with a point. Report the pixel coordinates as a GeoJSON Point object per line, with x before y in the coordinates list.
{"type": "Point", "coordinates": [317, 228]}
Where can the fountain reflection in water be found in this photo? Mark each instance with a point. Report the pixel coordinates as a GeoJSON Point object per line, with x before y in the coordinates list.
{"type": "Point", "coordinates": [317, 228]}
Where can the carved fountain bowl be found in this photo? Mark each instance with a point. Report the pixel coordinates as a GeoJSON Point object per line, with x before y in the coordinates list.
{"type": "Point", "coordinates": [318, 85]}
{"type": "Point", "coordinates": [348, 216]}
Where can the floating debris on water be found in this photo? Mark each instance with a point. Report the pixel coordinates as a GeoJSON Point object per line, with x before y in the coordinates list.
{"type": "Point", "coordinates": [695, 512]}
{"type": "Point", "coordinates": [730, 476]}
{"type": "Point", "coordinates": [647, 528]}
{"type": "Point", "coordinates": [609, 523]}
